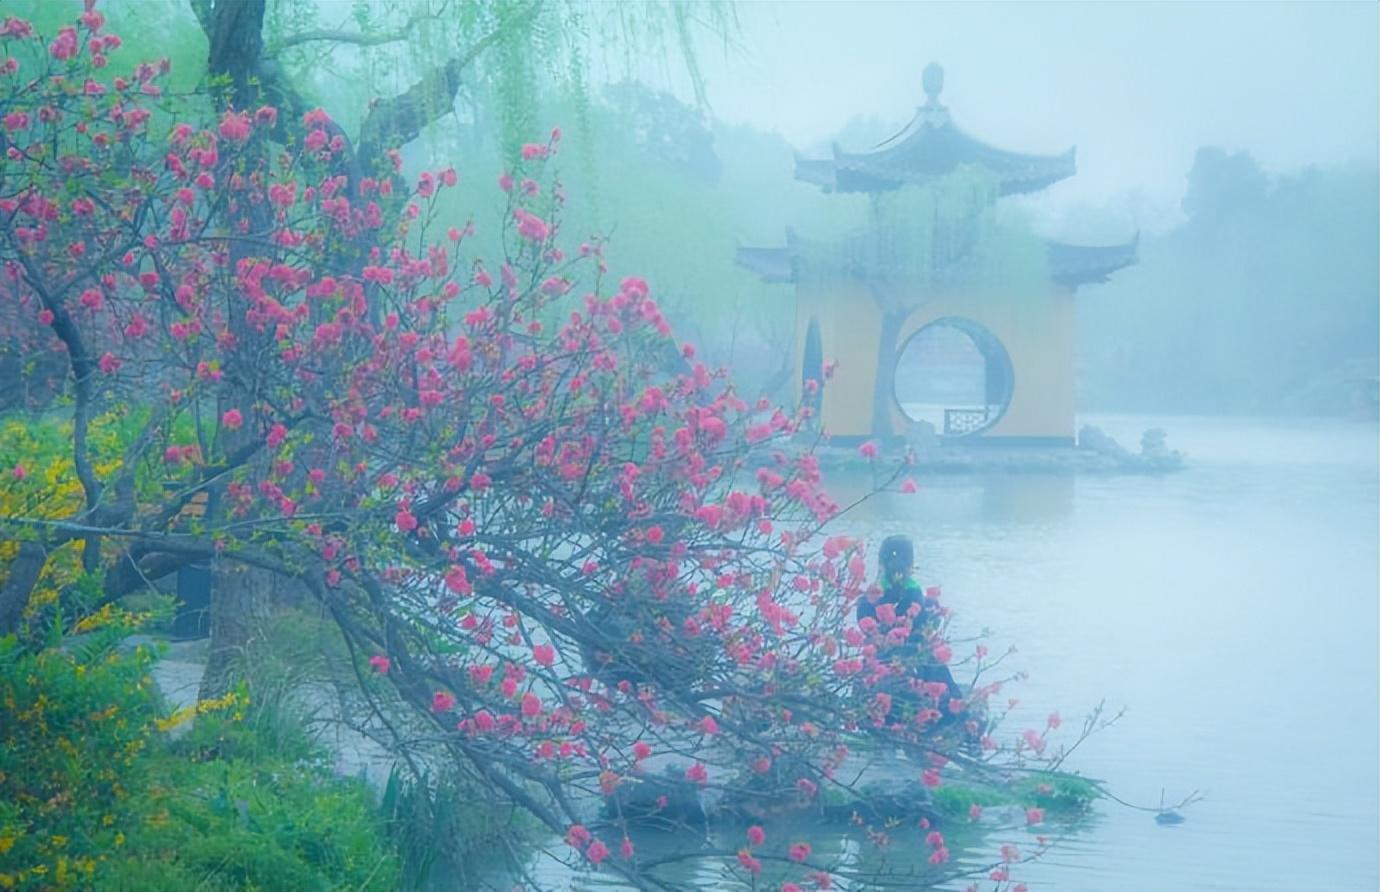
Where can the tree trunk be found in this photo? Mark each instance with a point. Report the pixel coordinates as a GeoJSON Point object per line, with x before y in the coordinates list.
{"type": "Point", "coordinates": [24, 571]}
{"type": "Point", "coordinates": [241, 598]}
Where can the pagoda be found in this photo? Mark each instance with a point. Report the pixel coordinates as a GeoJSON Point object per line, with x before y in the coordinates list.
{"type": "Point", "coordinates": [882, 327]}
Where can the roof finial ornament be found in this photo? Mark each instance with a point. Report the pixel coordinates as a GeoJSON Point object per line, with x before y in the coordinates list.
{"type": "Point", "coordinates": [933, 81]}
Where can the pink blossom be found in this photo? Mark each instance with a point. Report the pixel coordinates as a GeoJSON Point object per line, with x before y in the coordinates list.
{"type": "Point", "coordinates": [534, 150]}
{"type": "Point", "coordinates": [756, 835]}
{"type": "Point", "coordinates": [379, 274]}
{"type": "Point", "coordinates": [626, 849]}
{"type": "Point", "coordinates": [930, 777]}
{"type": "Point", "coordinates": [868, 450]}
{"type": "Point", "coordinates": [1034, 815]}
{"type": "Point", "coordinates": [442, 702]}
{"type": "Point", "coordinates": [749, 863]}
{"type": "Point", "coordinates": [974, 811]}
{"type": "Point", "coordinates": [531, 705]}
{"type": "Point", "coordinates": [577, 835]}
{"type": "Point", "coordinates": [484, 720]}
{"type": "Point", "coordinates": [1010, 853]}
{"type": "Point", "coordinates": [505, 181]}
{"type": "Point", "coordinates": [380, 663]}
{"type": "Point", "coordinates": [404, 520]}
{"type": "Point", "coordinates": [92, 299]}
{"type": "Point", "coordinates": [235, 126]}
{"type": "Point", "coordinates": [457, 580]}
{"type": "Point", "coordinates": [531, 227]}
{"type": "Point", "coordinates": [544, 654]}
{"type": "Point", "coordinates": [19, 473]}
{"type": "Point", "coordinates": [909, 486]}
{"type": "Point", "coordinates": [708, 725]}
{"type": "Point", "coordinates": [1053, 721]}
{"type": "Point", "coordinates": [15, 27]}
{"type": "Point", "coordinates": [109, 363]}
{"type": "Point", "coordinates": [65, 45]}
{"type": "Point", "coordinates": [597, 852]}
{"type": "Point", "coordinates": [45, 316]}
{"type": "Point", "coordinates": [697, 773]}
{"type": "Point", "coordinates": [233, 419]}
{"type": "Point", "coordinates": [799, 851]}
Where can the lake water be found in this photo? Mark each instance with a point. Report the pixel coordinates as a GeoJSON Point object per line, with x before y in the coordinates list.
{"type": "Point", "coordinates": [1230, 607]}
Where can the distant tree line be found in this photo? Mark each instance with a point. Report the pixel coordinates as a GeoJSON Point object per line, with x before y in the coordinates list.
{"type": "Point", "coordinates": [1265, 301]}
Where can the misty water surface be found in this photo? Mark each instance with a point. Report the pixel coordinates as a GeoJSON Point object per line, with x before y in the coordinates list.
{"type": "Point", "coordinates": [1232, 608]}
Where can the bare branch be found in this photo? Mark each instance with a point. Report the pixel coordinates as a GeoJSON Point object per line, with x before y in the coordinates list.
{"type": "Point", "coordinates": [400, 120]}
{"type": "Point", "coordinates": [337, 35]}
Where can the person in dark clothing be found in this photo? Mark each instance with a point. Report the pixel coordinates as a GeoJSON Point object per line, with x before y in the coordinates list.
{"type": "Point", "coordinates": [900, 590]}
{"type": "Point", "coordinates": [906, 597]}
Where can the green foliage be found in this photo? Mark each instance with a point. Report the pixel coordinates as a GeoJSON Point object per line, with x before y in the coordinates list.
{"type": "Point", "coordinates": [74, 725]}
{"type": "Point", "coordinates": [1058, 793]}
{"type": "Point", "coordinates": [440, 832]}
{"type": "Point", "coordinates": [93, 796]}
{"type": "Point", "coordinates": [517, 50]}
{"type": "Point", "coordinates": [51, 490]}
{"type": "Point", "coordinates": [250, 807]}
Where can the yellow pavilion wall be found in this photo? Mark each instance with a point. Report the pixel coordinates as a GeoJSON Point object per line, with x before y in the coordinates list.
{"type": "Point", "coordinates": [1038, 331]}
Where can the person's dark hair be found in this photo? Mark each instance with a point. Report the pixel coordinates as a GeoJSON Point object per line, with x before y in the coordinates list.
{"type": "Point", "coordinates": [897, 555]}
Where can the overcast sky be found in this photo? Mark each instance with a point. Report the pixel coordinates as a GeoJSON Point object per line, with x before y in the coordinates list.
{"type": "Point", "coordinates": [1137, 87]}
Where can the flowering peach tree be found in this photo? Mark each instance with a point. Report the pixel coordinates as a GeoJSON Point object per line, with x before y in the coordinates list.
{"type": "Point", "coordinates": [569, 548]}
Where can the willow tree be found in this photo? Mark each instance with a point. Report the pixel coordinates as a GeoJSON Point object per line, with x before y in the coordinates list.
{"type": "Point", "coordinates": [296, 55]}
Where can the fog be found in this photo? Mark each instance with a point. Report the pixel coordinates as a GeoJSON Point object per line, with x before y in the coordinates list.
{"type": "Point", "coordinates": [1137, 87]}
{"type": "Point", "coordinates": [480, 380]}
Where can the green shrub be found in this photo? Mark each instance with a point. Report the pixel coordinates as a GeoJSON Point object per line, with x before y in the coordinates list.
{"type": "Point", "coordinates": [93, 796]}
{"type": "Point", "coordinates": [75, 726]}
{"type": "Point", "coordinates": [1058, 793]}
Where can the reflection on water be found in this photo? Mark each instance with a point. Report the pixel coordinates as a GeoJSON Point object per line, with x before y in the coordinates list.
{"type": "Point", "coordinates": [1232, 607]}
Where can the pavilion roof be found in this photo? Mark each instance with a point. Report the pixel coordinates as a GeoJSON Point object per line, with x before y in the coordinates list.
{"type": "Point", "coordinates": [930, 146]}
{"type": "Point", "coordinates": [1069, 264]}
